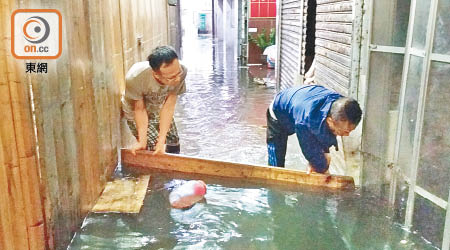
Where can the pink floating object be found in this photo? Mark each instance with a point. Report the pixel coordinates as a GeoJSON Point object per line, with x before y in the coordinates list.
{"type": "Point", "coordinates": [187, 194]}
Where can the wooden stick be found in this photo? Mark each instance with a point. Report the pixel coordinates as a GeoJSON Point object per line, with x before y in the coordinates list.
{"type": "Point", "coordinates": [6, 208]}
{"type": "Point", "coordinates": [186, 164]}
{"type": "Point", "coordinates": [20, 228]}
{"type": "Point", "coordinates": [36, 237]}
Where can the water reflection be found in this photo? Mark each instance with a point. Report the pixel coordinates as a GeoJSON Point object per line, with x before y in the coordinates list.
{"type": "Point", "coordinates": [222, 114]}
{"type": "Point", "coordinates": [239, 215]}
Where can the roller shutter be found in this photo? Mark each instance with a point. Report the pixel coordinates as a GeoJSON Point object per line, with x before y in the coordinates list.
{"type": "Point", "coordinates": [290, 42]}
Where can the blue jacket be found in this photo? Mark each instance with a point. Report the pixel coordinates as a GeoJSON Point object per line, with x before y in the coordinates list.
{"type": "Point", "coordinates": [303, 110]}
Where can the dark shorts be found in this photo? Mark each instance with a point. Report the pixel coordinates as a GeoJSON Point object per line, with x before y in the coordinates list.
{"type": "Point", "coordinates": [276, 139]}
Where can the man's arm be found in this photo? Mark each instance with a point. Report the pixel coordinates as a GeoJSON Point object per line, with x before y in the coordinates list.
{"type": "Point", "coordinates": [165, 119]}
{"type": "Point", "coordinates": [141, 120]}
{"type": "Point", "coordinates": [312, 150]}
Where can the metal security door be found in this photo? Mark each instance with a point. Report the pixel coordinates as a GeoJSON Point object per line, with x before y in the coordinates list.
{"type": "Point", "coordinates": [424, 110]}
{"type": "Point", "coordinates": [289, 42]}
{"type": "Point", "coordinates": [409, 111]}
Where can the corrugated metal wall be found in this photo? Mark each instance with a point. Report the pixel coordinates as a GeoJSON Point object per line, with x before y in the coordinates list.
{"type": "Point", "coordinates": [76, 106]}
{"type": "Point", "coordinates": [333, 44]}
{"type": "Point", "coordinates": [290, 42]}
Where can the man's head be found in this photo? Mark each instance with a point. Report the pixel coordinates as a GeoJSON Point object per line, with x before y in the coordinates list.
{"type": "Point", "coordinates": [344, 116]}
{"type": "Point", "coordinates": [165, 65]}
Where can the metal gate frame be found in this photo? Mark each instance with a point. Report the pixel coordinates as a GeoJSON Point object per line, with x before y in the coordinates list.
{"type": "Point", "coordinates": [427, 56]}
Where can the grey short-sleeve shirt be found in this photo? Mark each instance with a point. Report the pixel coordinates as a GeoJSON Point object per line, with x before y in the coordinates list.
{"type": "Point", "coordinates": [140, 84]}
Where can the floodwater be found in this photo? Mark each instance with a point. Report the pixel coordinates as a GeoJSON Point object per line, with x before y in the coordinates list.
{"type": "Point", "coordinates": [236, 215]}
{"type": "Point", "coordinates": [222, 115]}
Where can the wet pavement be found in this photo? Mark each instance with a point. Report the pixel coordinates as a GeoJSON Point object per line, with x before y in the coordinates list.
{"type": "Point", "coordinates": [222, 115]}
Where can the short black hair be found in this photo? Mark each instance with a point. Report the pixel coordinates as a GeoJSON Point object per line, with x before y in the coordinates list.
{"type": "Point", "coordinates": [160, 55]}
{"type": "Point", "coordinates": [346, 109]}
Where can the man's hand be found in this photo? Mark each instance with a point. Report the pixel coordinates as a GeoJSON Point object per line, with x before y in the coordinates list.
{"type": "Point", "coordinates": [310, 170]}
{"type": "Point", "coordinates": [138, 146]}
{"type": "Point", "coordinates": [160, 147]}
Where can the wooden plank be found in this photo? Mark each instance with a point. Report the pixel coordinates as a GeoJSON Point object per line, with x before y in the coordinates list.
{"type": "Point", "coordinates": [30, 185]}
{"type": "Point", "coordinates": [69, 173]}
{"type": "Point", "coordinates": [179, 163]}
{"type": "Point", "coordinates": [36, 237]}
{"type": "Point", "coordinates": [123, 196]}
{"type": "Point", "coordinates": [6, 207]}
{"type": "Point", "coordinates": [52, 151]}
{"type": "Point", "coordinates": [16, 194]}
{"type": "Point", "coordinates": [100, 81]}
{"type": "Point", "coordinates": [110, 94]}
{"type": "Point", "coordinates": [7, 144]}
{"type": "Point", "coordinates": [83, 98]}
{"type": "Point", "coordinates": [12, 193]}
{"type": "Point", "coordinates": [26, 148]}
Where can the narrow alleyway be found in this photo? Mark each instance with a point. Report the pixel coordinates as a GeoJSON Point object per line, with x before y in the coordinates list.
{"type": "Point", "coordinates": [222, 115]}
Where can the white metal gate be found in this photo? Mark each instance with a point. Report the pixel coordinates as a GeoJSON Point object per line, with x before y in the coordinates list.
{"type": "Point", "coordinates": [289, 35]}
{"type": "Point", "coordinates": [409, 111]}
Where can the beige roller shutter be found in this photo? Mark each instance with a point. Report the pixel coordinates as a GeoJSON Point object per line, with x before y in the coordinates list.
{"type": "Point", "coordinates": [290, 42]}
{"type": "Point", "coordinates": [333, 44]}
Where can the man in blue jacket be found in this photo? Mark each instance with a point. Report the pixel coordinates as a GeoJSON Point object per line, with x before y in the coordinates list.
{"type": "Point", "coordinates": [317, 115]}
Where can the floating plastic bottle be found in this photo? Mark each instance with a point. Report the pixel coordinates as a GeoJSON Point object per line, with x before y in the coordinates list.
{"type": "Point", "coordinates": [187, 194]}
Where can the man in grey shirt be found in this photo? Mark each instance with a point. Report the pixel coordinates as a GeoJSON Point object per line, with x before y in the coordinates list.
{"type": "Point", "coordinates": [149, 102]}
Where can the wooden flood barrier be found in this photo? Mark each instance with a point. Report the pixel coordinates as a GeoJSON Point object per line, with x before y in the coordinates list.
{"type": "Point", "coordinates": [186, 164]}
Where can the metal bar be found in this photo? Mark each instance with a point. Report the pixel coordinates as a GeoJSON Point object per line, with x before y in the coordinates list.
{"type": "Point", "coordinates": [247, 17]}
{"type": "Point", "coordinates": [387, 49]}
{"type": "Point", "coordinates": [299, 62]}
{"type": "Point", "coordinates": [278, 43]}
{"type": "Point", "coordinates": [403, 90]}
{"type": "Point", "coordinates": [213, 19]}
{"type": "Point", "coordinates": [421, 108]}
{"type": "Point", "coordinates": [356, 52]}
{"type": "Point", "coordinates": [440, 57]}
{"type": "Point", "coordinates": [365, 57]}
{"type": "Point", "coordinates": [446, 240]}
{"type": "Point", "coordinates": [431, 197]}
{"type": "Point", "coordinates": [417, 52]}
